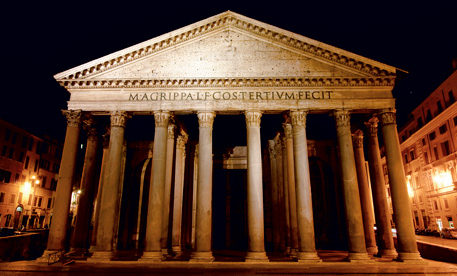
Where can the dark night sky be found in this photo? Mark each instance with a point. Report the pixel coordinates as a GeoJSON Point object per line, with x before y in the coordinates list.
{"type": "Point", "coordinates": [42, 38]}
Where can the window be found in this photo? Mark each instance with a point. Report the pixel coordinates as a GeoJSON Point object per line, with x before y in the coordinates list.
{"type": "Point", "coordinates": [39, 201]}
{"type": "Point", "coordinates": [435, 150]}
{"type": "Point", "coordinates": [435, 204]}
{"type": "Point", "coordinates": [446, 204]}
{"type": "Point", "coordinates": [451, 97]}
{"type": "Point", "coordinates": [423, 141]}
{"type": "Point", "coordinates": [30, 200]}
{"type": "Point", "coordinates": [24, 142]}
{"type": "Point", "coordinates": [36, 166]}
{"type": "Point", "coordinates": [21, 157]}
{"type": "Point", "coordinates": [16, 178]}
{"type": "Point", "coordinates": [412, 155]}
{"type": "Point", "coordinates": [53, 184]}
{"type": "Point", "coordinates": [11, 153]}
{"type": "Point", "coordinates": [4, 150]}
{"type": "Point", "coordinates": [19, 200]}
{"type": "Point", "coordinates": [27, 160]}
{"type": "Point", "coordinates": [13, 198]}
{"type": "Point", "coordinates": [35, 201]}
{"type": "Point", "coordinates": [445, 148]}
{"type": "Point", "coordinates": [420, 123]}
{"type": "Point", "coordinates": [439, 106]}
{"type": "Point", "coordinates": [428, 118]}
{"type": "Point", "coordinates": [43, 183]}
{"type": "Point", "coordinates": [406, 158]}
{"type": "Point", "coordinates": [426, 157]}
{"type": "Point", "coordinates": [31, 144]}
{"type": "Point", "coordinates": [7, 134]}
{"type": "Point", "coordinates": [49, 203]}
{"type": "Point", "coordinates": [432, 136]}
{"type": "Point", "coordinates": [2, 197]}
{"type": "Point", "coordinates": [443, 129]}
{"type": "Point", "coordinates": [13, 140]}
{"type": "Point", "coordinates": [5, 176]}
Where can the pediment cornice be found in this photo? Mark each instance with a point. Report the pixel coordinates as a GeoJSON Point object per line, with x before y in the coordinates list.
{"type": "Point", "coordinates": [227, 20]}
{"type": "Point", "coordinates": [386, 81]}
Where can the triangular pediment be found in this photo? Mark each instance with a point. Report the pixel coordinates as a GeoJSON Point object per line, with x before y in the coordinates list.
{"type": "Point", "coordinates": [227, 46]}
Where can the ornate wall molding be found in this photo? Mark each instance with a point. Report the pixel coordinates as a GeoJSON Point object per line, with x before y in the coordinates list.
{"type": "Point", "coordinates": [206, 118]}
{"type": "Point", "coordinates": [298, 117]}
{"type": "Point", "coordinates": [118, 118]}
{"type": "Point", "coordinates": [253, 118]}
{"type": "Point", "coordinates": [73, 117]}
{"type": "Point", "coordinates": [342, 118]}
{"type": "Point", "coordinates": [357, 139]}
{"type": "Point", "coordinates": [388, 117]}
{"type": "Point", "coordinates": [233, 21]}
{"type": "Point", "coordinates": [229, 82]}
{"type": "Point", "coordinates": [161, 118]}
{"type": "Point", "coordinates": [372, 126]}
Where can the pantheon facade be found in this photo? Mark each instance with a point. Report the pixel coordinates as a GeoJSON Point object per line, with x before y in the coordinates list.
{"type": "Point", "coordinates": [231, 137]}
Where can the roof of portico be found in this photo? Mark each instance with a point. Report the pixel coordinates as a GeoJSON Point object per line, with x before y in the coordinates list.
{"type": "Point", "coordinates": [126, 68]}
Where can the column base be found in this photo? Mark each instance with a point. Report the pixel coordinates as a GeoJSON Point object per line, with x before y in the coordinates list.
{"type": "Point", "coordinates": [45, 257]}
{"type": "Point", "coordinates": [359, 258]}
{"type": "Point", "coordinates": [388, 253]}
{"type": "Point", "coordinates": [410, 257]}
{"type": "Point", "coordinates": [372, 250]}
{"type": "Point", "coordinates": [101, 256]}
{"type": "Point", "coordinates": [203, 257]}
{"type": "Point", "coordinates": [256, 257]}
{"type": "Point", "coordinates": [308, 257]}
{"type": "Point", "coordinates": [151, 257]}
{"type": "Point", "coordinates": [293, 253]}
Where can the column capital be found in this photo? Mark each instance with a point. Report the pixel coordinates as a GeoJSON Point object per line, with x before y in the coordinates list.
{"type": "Point", "coordinates": [287, 130]}
{"type": "Point", "coordinates": [372, 126]}
{"type": "Point", "coordinates": [388, 116]}
{"type": "Point", "coordinates": [342, 118]}
{"type": "Point", "coordinates": [73, 117]}
{"type": "Point", "coordinates": [298, 117]}
{"type": "Point", "coordinates": [118, 118]}
{"type": "Point", "coordinates": [206, 118]}
{"type": "Point", "coordinates": [181, 141]}
{"type": "Point", "coordinates": [161, 118]}
{"type": "Point", "coordinates": [89, 126]}
{"type": "Point", "coordinates": [271, 148]}
{"type": "Point", "coordinates": [171, 131]}
{"type": "Point", "coordinates": [357, 139]}
{"type": "Point", "coordinates": [253, 118]}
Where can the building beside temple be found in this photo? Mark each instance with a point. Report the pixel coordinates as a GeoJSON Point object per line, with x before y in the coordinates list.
{"type": "Point", "coordinates": [428, 144]}
{"type": "Point", "coordinates": [231, 136]}
{"type": "Point", "coordinates": [28, 177]}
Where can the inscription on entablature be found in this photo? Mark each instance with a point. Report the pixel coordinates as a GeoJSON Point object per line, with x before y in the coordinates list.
{"type": "Point", "coordinates": [232, 95]}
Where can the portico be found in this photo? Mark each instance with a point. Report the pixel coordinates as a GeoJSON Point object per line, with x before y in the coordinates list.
{"type": "Point", "coordinates": [158, 188]}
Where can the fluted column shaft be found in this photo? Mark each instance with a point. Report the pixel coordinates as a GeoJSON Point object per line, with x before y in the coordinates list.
{"type": "Point", "coordinates": [152, 250]}
{"type": "Point", "coordinates": [274, 195]}
{"type": "Point", "coordinates": [292, 195]}
{"type": "Point", "coordinates": [365, 193]}
{"type": "Point", "coordinates": [378, 186]}
{"type": "Point", "coordinates": [307, 247]}
{"type": "Point", "coordinates": [110, 201]}
{"type": "Point", "coordinates": [406, 239]}
{"type": "Point", "coordinates": [178, 192]}
{"type": "Point", "coordinates": [204, 189]}
{"type": "Point", "coordinates": [280, 208]}
{"type": "Point", "coordinates": [286, 194]}
{"type": "Point", "coordinates": [89, 185]}
{"type": "Point", "coordinates": [256, 247]}
{"type": "Point", "coordinates": [59, 223]}
{"type": "Point", "coordinates": [354, 219]}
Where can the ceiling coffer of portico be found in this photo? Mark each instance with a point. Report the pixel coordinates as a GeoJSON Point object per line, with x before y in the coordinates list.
{"type": "Point", "coordinates": [224, 47]}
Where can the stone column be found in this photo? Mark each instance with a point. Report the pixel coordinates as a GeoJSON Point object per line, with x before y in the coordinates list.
{"type": "Point", "coordinates": [280, 208]}
{"type": "Point", "coordinates": [178, 195]}
{"type": "Point", "coordinates": [307, 248]}
{"type": "Point", "coordinates": [59, 223]}
{"type": "Point", "coordinates": [102, 179]}
{"type": "Point", "coordinates": [365, 193]}
{"type": "Point", "coordinates": [110, 201]}
{"type": "Point", "coordinates": [274, 196]}
{"type": "Point", "coordinates": [256, 247]}
{"type": "Point", "coordinates": [203, 225]}
{"type": "Point", "coordinates": [354, 220]}
{"type": "Point", "coordinates": [152, 249]}
{"type": "Point", "coordinates": [378, 186]}
{"type": "Point", "coordinates": [89, 181]}
{"type": "Point", "coordinates": [167, 191]}
{"type": "Point", "coordinates": [286, 194]}
{"type": "Point", "coordinates": [292, 196]}
{"type": "Point", "coordinates": [406, 239]}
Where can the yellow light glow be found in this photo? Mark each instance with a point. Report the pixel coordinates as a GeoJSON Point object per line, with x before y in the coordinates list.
{"type": "Point", "coordinates": [33, 177]}
{"type": "Point", "coordinates": [26, 188]}
{"type": "Point", "coordinates": [410, 189]}
{"type": "Point", "coordinates": [37, 181]}
{"type": "Point", "coordinates": [443, 180]}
